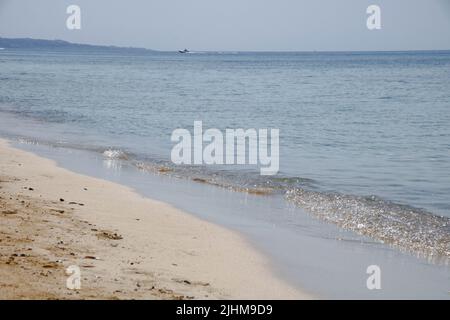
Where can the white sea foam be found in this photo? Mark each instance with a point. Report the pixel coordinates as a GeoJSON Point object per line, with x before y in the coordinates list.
{"type": "Point", "coordinates": [115, 154]}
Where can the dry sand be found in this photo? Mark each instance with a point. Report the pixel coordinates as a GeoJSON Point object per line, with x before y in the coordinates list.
{"type": "Point", "coordinates": [127, 246]}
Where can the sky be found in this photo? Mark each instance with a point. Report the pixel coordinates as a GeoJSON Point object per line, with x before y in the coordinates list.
{"type": "Point", "coordinates": [235, 25]}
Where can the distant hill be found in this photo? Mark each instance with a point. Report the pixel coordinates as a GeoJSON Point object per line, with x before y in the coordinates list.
{"type": "Point", "coordinates": [59, 45]}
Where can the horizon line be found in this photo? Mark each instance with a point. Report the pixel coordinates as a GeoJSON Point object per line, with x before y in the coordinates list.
{"type": "Point", "coordinates": [226, 51]}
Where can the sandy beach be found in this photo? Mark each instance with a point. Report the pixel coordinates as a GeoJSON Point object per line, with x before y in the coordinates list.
{"type": "Point", "coordinates": [126, 246]}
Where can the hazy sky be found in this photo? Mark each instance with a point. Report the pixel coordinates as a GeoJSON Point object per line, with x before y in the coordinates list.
{"type": "Point", "coordinates": [235, 24]}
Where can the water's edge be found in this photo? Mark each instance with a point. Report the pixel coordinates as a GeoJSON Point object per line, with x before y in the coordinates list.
{"type": "Point", "coordinates": [321, 258]}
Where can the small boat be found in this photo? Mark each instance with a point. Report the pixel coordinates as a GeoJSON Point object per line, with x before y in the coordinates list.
{"type": "Point", "coordinates": [183, 51]}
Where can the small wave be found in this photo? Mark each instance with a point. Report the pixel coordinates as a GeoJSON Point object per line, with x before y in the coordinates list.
{"type": "Point", "coordinates": [295, 181]}
{"type": "Point", "coordinates": [212, 179]}
{"type": "Point", "coordinates": [399, 225]}
{"type": "Point", "coordinates": [27, 141]}
{"type": "Point", "coordinates": [154, 168]}
{"type": "Point", "coordinates": [115, 154]}
{"type": "Point", "coordinates": [261, 191]}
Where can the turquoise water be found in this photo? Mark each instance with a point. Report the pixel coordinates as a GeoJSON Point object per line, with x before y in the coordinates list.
{"type": "Point", "coordinates": [365, 137]}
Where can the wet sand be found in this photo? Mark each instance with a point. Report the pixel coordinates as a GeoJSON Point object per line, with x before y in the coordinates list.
{"type": "Point", "coordinates": [126, 246]}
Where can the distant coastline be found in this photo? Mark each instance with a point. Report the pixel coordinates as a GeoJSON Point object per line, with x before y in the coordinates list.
{"type": "Point", "coordinates": [42, 44]}
{"type": "Point", "coordinates": [63, 45]}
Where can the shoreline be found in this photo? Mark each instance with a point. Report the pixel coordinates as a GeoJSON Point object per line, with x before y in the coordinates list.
{"type": "Point", "coordinates": [127, 246]}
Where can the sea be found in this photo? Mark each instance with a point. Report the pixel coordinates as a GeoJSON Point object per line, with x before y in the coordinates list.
{"type": "Point", "coordinates": [364, 146]}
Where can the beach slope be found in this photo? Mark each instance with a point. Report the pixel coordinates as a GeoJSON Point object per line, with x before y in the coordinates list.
{"type": "Point", "coordinates": [126, 246]}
